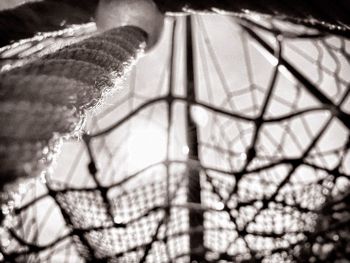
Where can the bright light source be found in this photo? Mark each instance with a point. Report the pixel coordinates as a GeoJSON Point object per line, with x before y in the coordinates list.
{"type": "Point", "coordinates": [185, 150]}
{"type": "Point", "coordinates": [243, 156]}
{"type": "Point", "coordinates": [118, 219]}
{"type": "Point", "coordinates": [219, 205]}
{"type": "Point", "coordinates": [199, 115]}
{"type": "Point", "coordinates": [146, 145]}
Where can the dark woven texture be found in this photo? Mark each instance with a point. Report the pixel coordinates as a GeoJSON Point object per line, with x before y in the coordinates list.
{"type": "Point", "coordinates": [272, 159]}
{"type": "Point", "coordinates": [46, 99]}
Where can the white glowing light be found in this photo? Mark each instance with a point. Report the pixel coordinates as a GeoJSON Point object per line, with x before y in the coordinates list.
{"type": "Point", "coordinates": [199, 116]}
{"type": "Point", "coordinates": [219, 205]}
{"type": "Point", "coordinates": [255, 17]}
{"type": "Point", "coordinates": [243, 156]}
{"type": "Point", "coordinates": [118, 220]}
{"type": "Point", "coordinates": [185, 150]}
{"type": "Point", "coordinates": [146, 145]}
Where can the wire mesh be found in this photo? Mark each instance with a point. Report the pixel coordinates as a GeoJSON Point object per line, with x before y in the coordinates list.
{"type": "Point", "coordinates": [271, 123]}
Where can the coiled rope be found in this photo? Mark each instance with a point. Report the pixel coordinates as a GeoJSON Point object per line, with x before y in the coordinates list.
{"type": "Point", "coordinates": [47, 99]}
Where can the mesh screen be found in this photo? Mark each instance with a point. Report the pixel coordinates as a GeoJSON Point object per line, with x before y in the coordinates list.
{"type": "Point", "coordinates": [249, 164]}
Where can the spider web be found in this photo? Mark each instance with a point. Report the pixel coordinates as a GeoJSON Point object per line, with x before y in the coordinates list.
{"type": "Point", "coordinates": [271, 116]}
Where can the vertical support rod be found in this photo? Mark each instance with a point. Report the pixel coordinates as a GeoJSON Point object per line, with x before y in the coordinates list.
{"type": "Point", "coordinates": [194, 187]}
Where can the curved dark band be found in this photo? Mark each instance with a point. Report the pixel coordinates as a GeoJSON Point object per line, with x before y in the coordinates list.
{"type": "Point", "coordinates": [26, 20]}
{"type": "Point", "coordinates": [50, 15]}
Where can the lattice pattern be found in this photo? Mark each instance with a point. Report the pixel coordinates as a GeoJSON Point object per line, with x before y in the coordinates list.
{"type": "Point", "coordinates": [272, 119]}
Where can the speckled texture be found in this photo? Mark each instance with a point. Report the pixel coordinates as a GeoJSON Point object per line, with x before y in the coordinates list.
{"type": "Point", "coordinates": [47, 99]}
